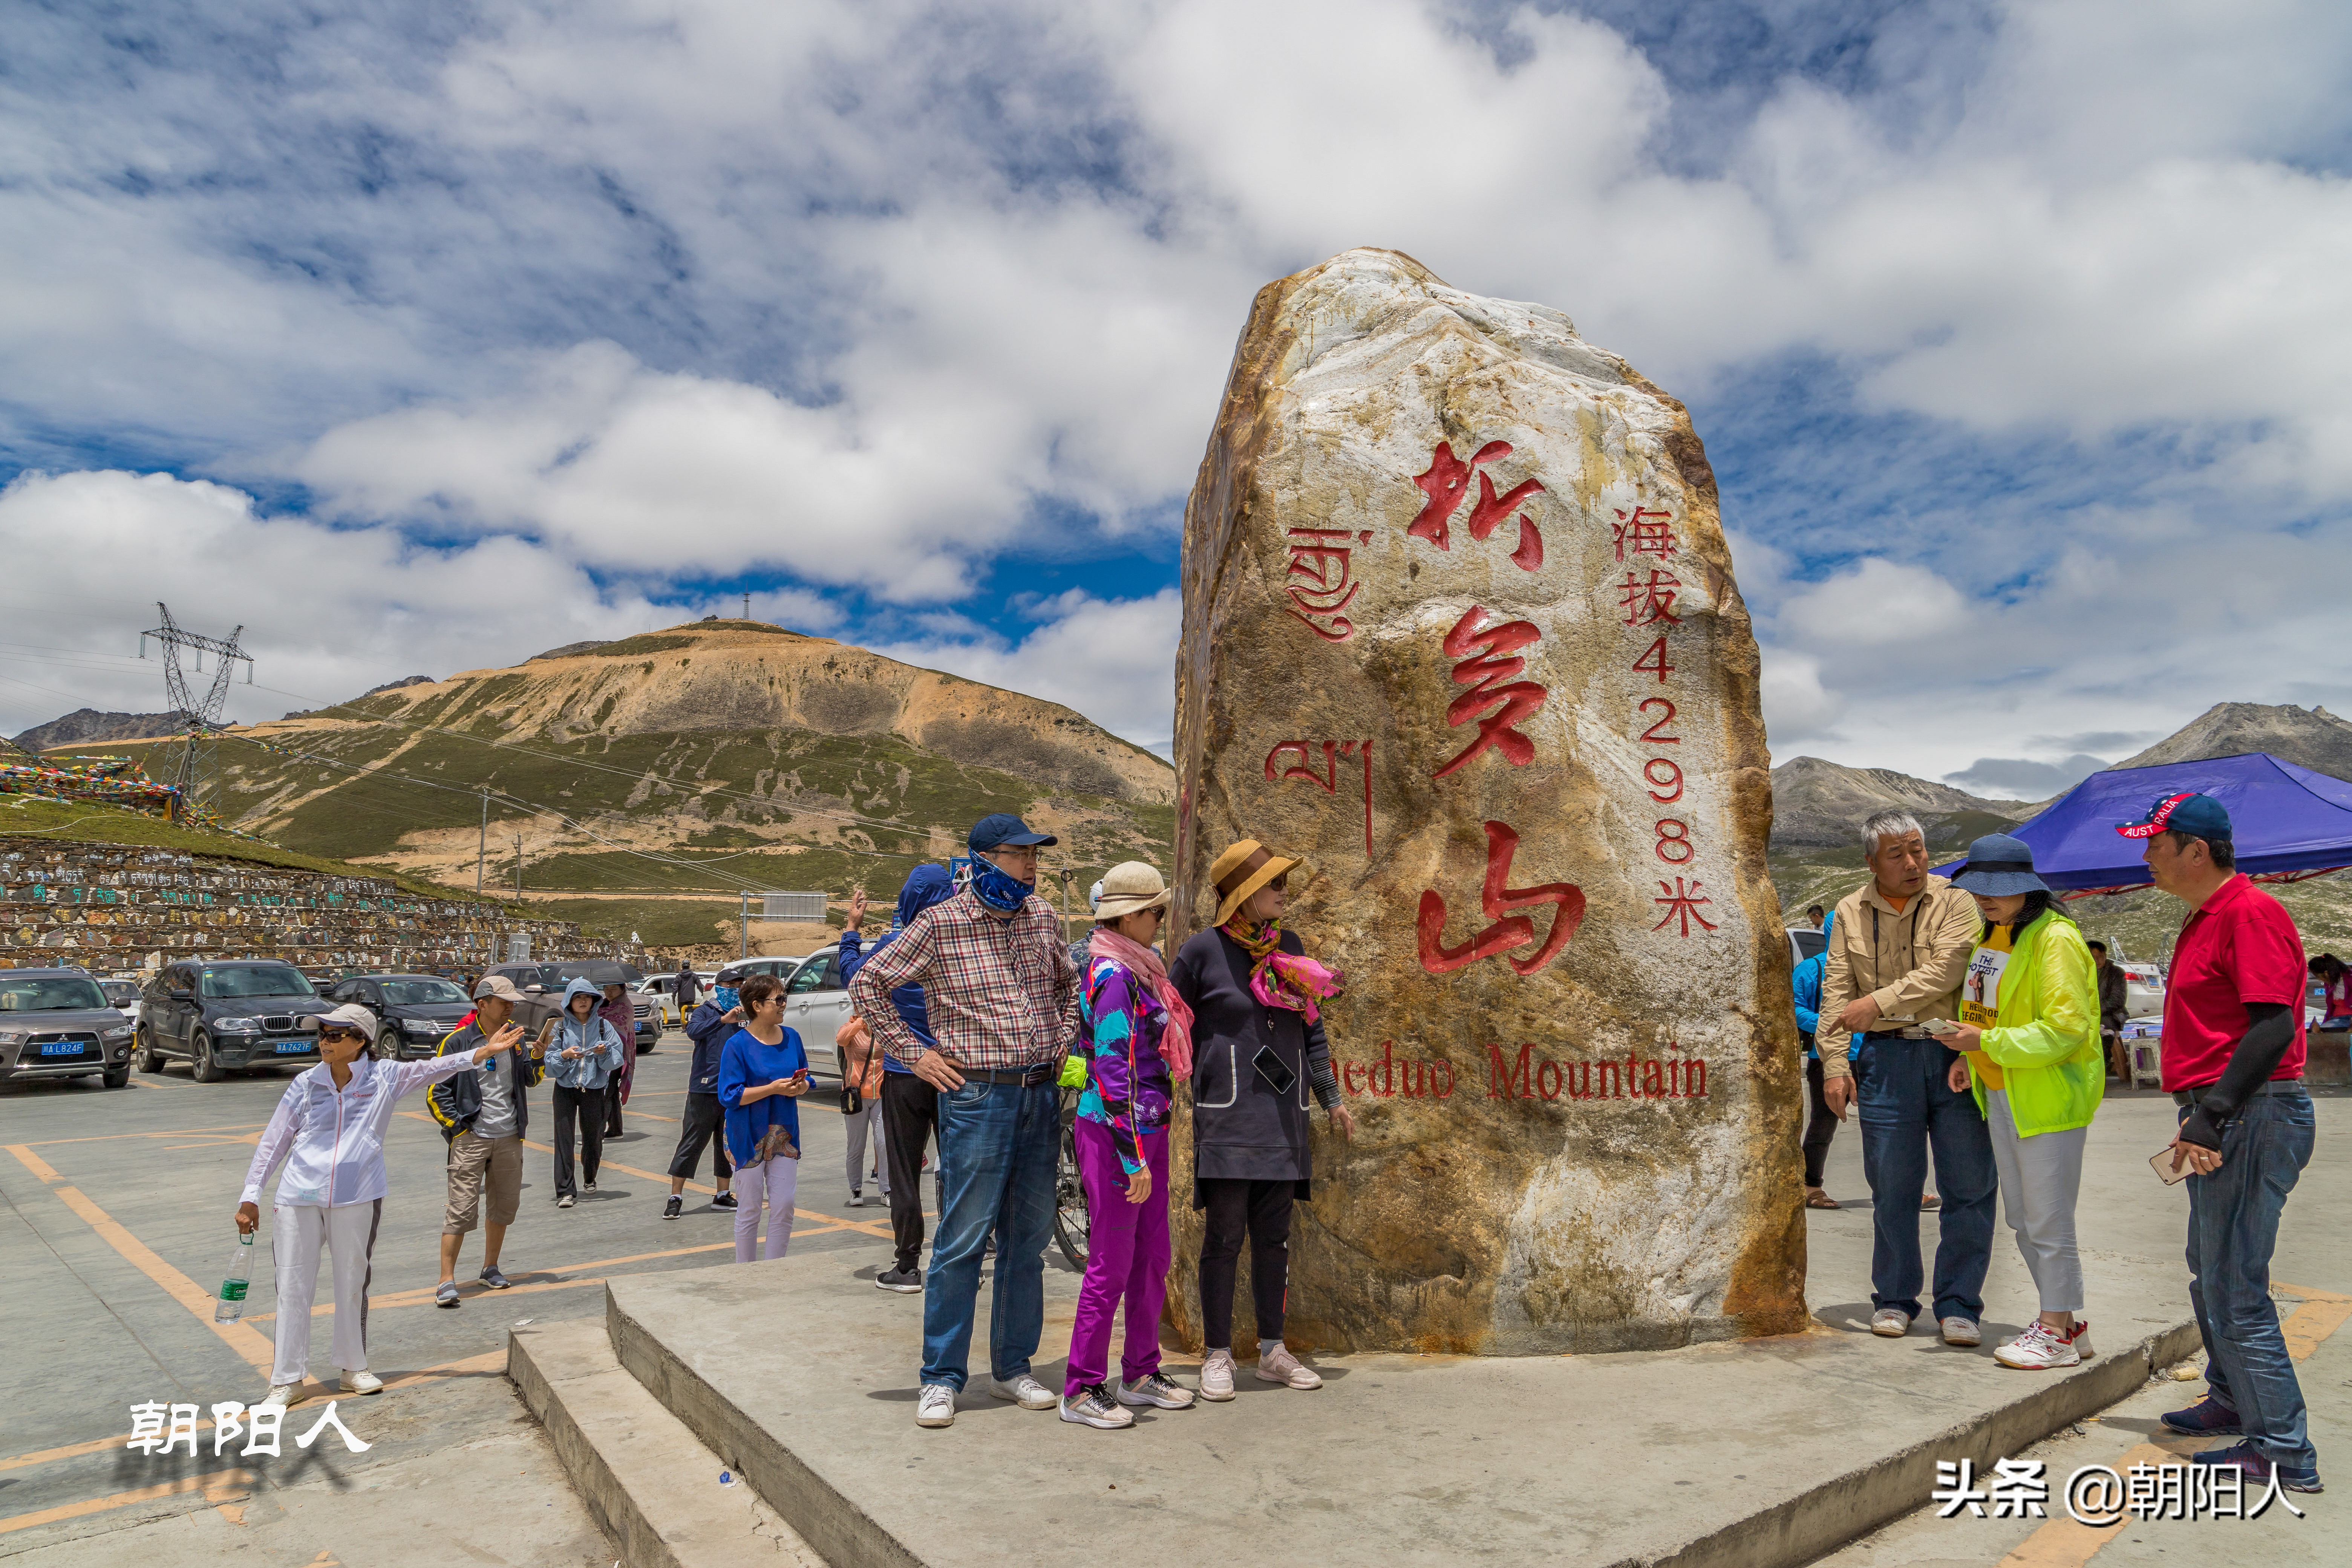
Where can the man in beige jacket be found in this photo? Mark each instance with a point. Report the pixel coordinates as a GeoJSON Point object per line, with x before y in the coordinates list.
{"type": "Point", "coordinates": [1899, 949]}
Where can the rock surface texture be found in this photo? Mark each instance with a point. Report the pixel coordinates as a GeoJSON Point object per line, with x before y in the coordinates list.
{"type": "Point", "coordinates": [1460, 629]}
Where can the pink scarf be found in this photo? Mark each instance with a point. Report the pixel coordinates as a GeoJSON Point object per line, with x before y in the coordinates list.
{"type": "Point", "coordinates": [1279, 979]}
{"type": "Point", "coordinates": [1175, 1042]}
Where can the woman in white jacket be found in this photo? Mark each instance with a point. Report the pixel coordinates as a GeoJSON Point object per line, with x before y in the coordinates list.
{"type": "Point", "coordinates": [328, 1131]}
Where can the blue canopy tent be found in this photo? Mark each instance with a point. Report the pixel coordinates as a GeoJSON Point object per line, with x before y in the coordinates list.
{"type": "Point", "coordinates": [2291, 822]}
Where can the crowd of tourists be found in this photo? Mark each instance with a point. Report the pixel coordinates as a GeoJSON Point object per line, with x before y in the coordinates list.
{"type": "Point", "coordinates": [1967, 1022]}
{"type": "Point", "coordinates": [1973, 1029]}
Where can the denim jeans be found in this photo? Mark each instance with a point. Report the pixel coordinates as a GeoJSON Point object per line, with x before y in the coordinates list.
{"type": "Point", "coordinates": [2233, 1220]}
{"type": "Point", "coordinates": [999, 1144]}
{"type": "Point", "coordinates": [1907, 1108]}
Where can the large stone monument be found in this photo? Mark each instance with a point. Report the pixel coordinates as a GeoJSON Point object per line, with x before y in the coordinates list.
{"type": "Point", "coordinates": [1460, 629]}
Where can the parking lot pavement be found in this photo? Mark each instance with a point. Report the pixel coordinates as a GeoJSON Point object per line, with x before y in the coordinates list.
{"type": "Point", "coordinates": [118, 1224]}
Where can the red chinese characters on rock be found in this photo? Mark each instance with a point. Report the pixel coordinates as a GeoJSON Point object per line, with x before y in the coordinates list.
{"type": "Point", "coordinates": [1446, 480]}
{"type": "Point", "coordinates": [1320, 582]}
{"type": "Point", "coordinates": [1497, 701]}
{"type": "Point", "coordinates": [1328, 780]}
{"type": "Point", "coordinates": [1650, 604]}
{"type": "Point", "coordinates": [1510, 929]}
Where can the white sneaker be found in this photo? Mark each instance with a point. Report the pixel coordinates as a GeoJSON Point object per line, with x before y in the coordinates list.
{"type": "Point", "coordinates": [564, 1202]}
{"type": "Point", "coordinates": [1959, 1331]}
{"type": "Point", "coordinates": [2081, 1340]}
{"type": "Point", "coordinates": [936, 1406]}
{"type": "Point", "coordinates": [1217, 1377]}
{"type": "Point", "coordinates": [1092, 1406]}
{"type": "Point", "coordinates": [362, 1381]}
{"type": "Point", "coordinates": [1890, 1323]}
{"type": "Point", "coordinates": [1158, 1390]}
{"type": "Point", "coordinates": [1276, 1364]}
{"type": "Point", "coordinates": [1025, 1391]}
{"type": "Point", "coordinates": [285, 1396]}
{"type": "Point", "coordinates": [2038, 1350]}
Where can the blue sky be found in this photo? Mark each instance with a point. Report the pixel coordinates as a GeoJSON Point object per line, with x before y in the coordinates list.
{"type": "Point", "coordinates": [2015, 333]}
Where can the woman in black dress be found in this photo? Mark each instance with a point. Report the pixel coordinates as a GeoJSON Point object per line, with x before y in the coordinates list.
{"type": "Point", "coordinates": [1258, 1050]}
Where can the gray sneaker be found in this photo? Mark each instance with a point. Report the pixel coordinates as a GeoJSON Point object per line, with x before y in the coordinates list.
{"type": "Point", "coordinates": [1093, 1406]}
{"type": "Point", "coordinates": [1961, 1330]}
{"type": "Point", "coordinates": [1156, 1389]}
{"type": "Point", "coordinates": [1890, 1323]}
{"type": "Point", "coordinates": [905, 1281]}
{"type": "Point", "coordinates": [446, 1293]}
{"type": "Point", "coordinates": [494, 1279]}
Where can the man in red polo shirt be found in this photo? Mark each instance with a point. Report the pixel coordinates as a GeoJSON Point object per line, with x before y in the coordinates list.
{"type": "Point", "coordinates": [2234, 1054]}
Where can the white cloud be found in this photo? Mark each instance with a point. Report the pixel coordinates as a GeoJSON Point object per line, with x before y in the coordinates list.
{"type": "Point", "coordinates": [1111, 660]}
{"type": "Point", "coordinates": [327, 613]}
{"type": "Point", "coordinates": [867, 293]}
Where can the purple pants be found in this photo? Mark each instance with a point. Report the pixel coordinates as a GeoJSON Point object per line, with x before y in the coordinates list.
{"type": "Point", "coordinates": [1127, 1259]}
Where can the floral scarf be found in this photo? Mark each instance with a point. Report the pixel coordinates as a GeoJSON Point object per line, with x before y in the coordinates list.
{"type": "Point", "coordinates": [1280, 979]}
{"type": "Point", "coordinates": [1175, 1042]}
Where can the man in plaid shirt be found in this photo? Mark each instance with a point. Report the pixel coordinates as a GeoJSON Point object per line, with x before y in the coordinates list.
{"type": "Point", "coordinates": [1003, 999]}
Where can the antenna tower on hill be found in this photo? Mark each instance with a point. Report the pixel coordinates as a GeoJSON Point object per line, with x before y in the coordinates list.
{"type": "Point", "coordinates": [195, 752]}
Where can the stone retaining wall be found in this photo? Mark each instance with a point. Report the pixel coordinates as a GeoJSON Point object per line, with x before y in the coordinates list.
{"type": "Point", "coordinates": [108, 907]}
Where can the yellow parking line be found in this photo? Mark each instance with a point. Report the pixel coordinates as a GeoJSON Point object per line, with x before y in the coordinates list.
{"type": "Point", "coordinates": [170, 1133]}
{"type": "Point", "coordinates": [220, 1486]}
{"type": "Point", "coordinates": [252, 1346]}
{"type": "Point", "coordinates": [2064, 1543]}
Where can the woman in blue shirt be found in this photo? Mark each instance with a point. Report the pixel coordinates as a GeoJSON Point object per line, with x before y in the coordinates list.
{"type": "Point", "coordinates": [761, 1071]}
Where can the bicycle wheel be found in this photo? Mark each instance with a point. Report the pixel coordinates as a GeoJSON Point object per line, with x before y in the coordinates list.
{"type": "Point", "coordinates": [1071, 1222]}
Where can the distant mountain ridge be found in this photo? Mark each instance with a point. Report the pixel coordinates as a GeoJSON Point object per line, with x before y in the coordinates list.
{"type": "Point", "coordinates": [2309, 737]}
{"type": "Point", "coordinates": [88, 727]}
{"type": "Point", "coordinates": [1819, 805]}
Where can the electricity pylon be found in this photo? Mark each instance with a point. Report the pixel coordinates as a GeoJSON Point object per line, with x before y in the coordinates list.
{"type": "Point", "coordinates": [197, 748]}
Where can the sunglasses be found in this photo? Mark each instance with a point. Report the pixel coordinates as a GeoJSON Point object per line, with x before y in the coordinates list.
{"type": "Point", "coordinates": [325, 1035]}
{"type": "Point", "coordinates": [1281, 884]}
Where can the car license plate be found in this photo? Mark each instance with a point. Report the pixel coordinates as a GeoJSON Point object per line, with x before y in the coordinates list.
{"type": "Point", "coordinates": [63, 1048]}
{"type": "Point", "coordinates": [292, 1048]}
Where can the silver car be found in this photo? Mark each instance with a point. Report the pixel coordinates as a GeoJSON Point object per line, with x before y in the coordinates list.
{"type": "Point", "coordinates": [55, 1023]}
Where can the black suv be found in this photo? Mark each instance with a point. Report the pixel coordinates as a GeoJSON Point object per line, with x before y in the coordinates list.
{"type": "Point", "coordinates": [54, 1022]}
{"type": "Point", "coordinates": [225, 1014]}
{"type": "Point", "coordinates": [416, 1010]}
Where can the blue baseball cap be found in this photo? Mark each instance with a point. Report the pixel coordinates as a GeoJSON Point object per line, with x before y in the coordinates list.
{"type": "Point", "coordinates": [1002, 829]}
{"type": "Point", "coordinates": [2198, 816]}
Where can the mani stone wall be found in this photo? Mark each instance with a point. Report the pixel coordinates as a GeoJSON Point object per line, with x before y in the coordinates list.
{"type": "Point", "coordinates": [1460, 628]}
{"type": "Point", "coordinates": [108, 906]}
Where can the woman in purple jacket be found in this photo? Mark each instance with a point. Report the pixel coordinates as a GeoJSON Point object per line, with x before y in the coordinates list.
{"type": "Point", "coordinates": [1138, 1040]}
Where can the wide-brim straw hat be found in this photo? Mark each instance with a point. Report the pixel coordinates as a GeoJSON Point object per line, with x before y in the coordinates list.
{"type": "Point", "coordinates": [1241, 870]}
{"type": "Point", "coordinates": [1999, 866]}
{"type": "Point", "coordinates": [1129, 888]}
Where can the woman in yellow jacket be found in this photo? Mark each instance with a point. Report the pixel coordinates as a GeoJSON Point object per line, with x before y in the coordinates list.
{"type": "Point", "coordinates": [2030, 1026]}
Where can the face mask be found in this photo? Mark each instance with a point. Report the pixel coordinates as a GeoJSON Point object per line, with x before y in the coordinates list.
{"type": "Point", "coordinates": [997, 888]}
{"type": "Point", "coordinates": [729, 999]}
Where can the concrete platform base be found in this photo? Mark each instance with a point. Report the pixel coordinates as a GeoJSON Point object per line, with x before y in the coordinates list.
{"type": "Point", "coordinates": [1757, 1453]}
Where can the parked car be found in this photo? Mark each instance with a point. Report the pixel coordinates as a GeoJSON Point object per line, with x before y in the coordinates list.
{"type": "Point", "coordinates": [782, 968]}
{"type": "Point", "coordinates": [228, 1014]}
{"type": "Point", "coordinates": [660, 992]}
{"type": "Point", "coordinates": [817, 1005]}
{"type": "Point", "coordinates": [415, 1010]}
{"type": "Point", "coordinates": [1805, 943]}
{"type": "Point", "coordinates": [122, 995]}
{"type": "Point", "coordinates": [55, 1023]}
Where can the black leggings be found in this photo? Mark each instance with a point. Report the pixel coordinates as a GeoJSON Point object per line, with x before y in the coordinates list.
{"type": "Point", "coordinates": [1821, 1128]}
{"type": "Point", "coordinates": [1262, 1209]}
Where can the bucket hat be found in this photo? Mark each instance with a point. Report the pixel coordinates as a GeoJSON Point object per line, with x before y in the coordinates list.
{"type": "Point", "coordinates": [1999, 866]}
{"type": "Point", "coordinates": [1130, 889]}
{"type": "Point", "coordinates": [1241, 870]}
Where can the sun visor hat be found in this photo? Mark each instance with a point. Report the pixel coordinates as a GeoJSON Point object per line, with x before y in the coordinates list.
{"type": "Point", "coordinates": [349, 1015]}
{"type": "Point", "coordinates": [2198, 816]}
{"type": "Point", "coordinates": [1003, 830]}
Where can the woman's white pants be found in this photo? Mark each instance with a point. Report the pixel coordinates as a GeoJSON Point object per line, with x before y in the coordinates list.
{"type": "Point", "coordinates": [295, 1237]}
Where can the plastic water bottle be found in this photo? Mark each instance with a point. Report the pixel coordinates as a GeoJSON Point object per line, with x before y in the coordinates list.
{"type": "Point", "coordinates": [230, 1306]}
